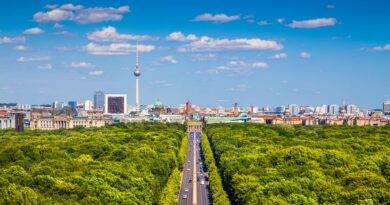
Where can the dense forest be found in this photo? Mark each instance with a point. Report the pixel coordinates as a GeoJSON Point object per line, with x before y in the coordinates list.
{"type": "Point", "coordinates": [119, 164]}
{"type": "Point", "coordinates": [218, 194]}
{"type": "Point", "coordinates": [262, 164]}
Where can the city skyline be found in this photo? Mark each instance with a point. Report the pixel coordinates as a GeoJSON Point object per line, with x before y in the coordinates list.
{"type": "Point", "coordinates": [257, 53]}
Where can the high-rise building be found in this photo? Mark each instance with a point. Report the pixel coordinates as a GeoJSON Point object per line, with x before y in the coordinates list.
{"type": "Point", "coordinates": [115, 104]}
{"type": "Point", "coordinates": [58, 105]}
{"type": "Point", "coordinates": [386, 107]}
{"type": "Point", "coordinates": [137, 74]}
{"type": "Point", "coordinates": [321, 110]}
{"type": "Point", "coordinates": [88, 105]}
{"type": "Point", "coordinates": [333, 109]}
{"type": "Point", "coordinates": [352, 110]}
{"type": "Point", "coordinates": [280, 110]}
{"type": "Point", "coordinates": [98, 100]}
{"type": "Point", "coordinates": [72, 104]}
{"type": "Point", "coordinates": [294, 109]}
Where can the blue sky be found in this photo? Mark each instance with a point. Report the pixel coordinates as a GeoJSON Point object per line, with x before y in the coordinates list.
{"type": "Point", "coordinates": [208, 52]}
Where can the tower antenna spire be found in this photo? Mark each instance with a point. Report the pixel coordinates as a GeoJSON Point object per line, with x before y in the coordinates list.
{"type": "Point", "coordinates": [137, 74]}
{"type": "Point", "coordinates": [137, 55]}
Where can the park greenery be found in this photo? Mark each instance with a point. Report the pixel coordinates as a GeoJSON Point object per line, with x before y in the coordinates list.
{"type": "Point", "coordinates": [262, 164]}
{"type": "Point", "coordinates": [218, 195]}
{"type": "Point", "coordinates": [137, 163]}
{"type": "Point", "coordinates": [169, 196]}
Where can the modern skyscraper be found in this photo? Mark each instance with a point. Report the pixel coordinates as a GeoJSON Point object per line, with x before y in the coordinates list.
{"type": "Point", "coordinates": [98, 100]}
{"type": "Point", "coordinates": [386, 107]}
{"type": "Point", "coordinates": [72, 104]}
{"type": "Point", "coordinates": [137, 74]}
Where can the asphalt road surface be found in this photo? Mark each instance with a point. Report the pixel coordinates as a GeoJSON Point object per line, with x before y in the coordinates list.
{"type": "Point", "coordinates": [194, 187]}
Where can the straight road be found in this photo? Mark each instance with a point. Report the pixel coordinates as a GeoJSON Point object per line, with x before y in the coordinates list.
{"type": "Point", "coordinates": [194, 188]}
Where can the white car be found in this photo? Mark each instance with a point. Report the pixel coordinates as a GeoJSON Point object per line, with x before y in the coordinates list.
{"type": "Point", "coordinates": [202, 182]}
{"type": "Point", "coordinates": [188, 169]}
{"type": "Point", "coordinates": [186, 189]}
{"type": "Point", "coordinates": [184, 196]}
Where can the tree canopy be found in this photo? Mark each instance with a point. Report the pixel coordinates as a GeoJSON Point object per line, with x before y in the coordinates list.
{"type": "Point", "coordinates": [262, 164]}
{"type": "Point", "coordinates": [119, 164]}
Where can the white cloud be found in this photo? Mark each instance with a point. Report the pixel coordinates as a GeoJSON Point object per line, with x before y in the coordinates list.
{"type": "Point", "coordinates": [54, 15]}
{"type": "Point", "coordinates": [179, 36]}
{"type": "Point", "coordinates": [116, 48]}
{"type": "Point", "coordinates": [71, 7]}
{"type": "Point", "coordinates": [65, 33]}
{"type": "Point", "coordinates": [110, 34]}
{"type": "Point", "coordinates": [168, 59]}
{"type": "Point", "coordinates": [96, 72]}
{"type": "Point", "coordinates": [305, 55]}
{"type": "Point", "coordinates": [205, 43]}
{"type": "Point", "coordinates": [28, 59]}
{"type": "Point", "coordinates": [33, 31]}
{"type": "Point", "coordinates": [80, 14]}
{"type": "Point", "coordinates": [9, 40]}
{"type": "Point", "coordinates": [313, 23]}
{"type": "Point", "coordinates": [210, 44]}
{"type": "Point", "coordinates": [259, 65]}
{"type": "Point", "coordinates": [20, 48]}
{"type": "Point", "coordinates": [279, 56]}
{"type": "Point", "coordinates": [385, 47]}
{"type": "Point", "coordinates": [238, 88]}
{"type": "Point", "coordinates": [81, 64]}
{"type": "Point", "coordinates": [263, 23]}
{"type": "Point", "coordinates": [58, 26]}
{"type": "Point", "coordinates": [217, 18]}
{"type": "Point", "coordinates": [45, 66]}
{"type": "Point", "coordinates": [96, 15]}
{"type": "Point", "coordinates": [237, 67]}
{"type": "Point", "coordinates": [280, 20]}
{"type": "Point", "coordinates": [249, 18]}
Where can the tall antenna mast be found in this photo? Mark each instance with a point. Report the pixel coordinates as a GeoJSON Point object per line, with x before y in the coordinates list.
{"type": "Point", "coordinates": [137, 74]}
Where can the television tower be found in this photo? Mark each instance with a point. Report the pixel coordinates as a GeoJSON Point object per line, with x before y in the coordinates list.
{"type": "Point", "coordinates": [137, 74]}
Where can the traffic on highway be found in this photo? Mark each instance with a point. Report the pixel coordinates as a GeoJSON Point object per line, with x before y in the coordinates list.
{"type": "Point", "coordinates": [195, 185]}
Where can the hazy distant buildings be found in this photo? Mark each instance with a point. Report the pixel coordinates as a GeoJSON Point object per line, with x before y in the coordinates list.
{"type": "Point", "coordinates": [333, 109]}
{"type": "Point", "coordinates": [58, 105]}
{"type": "Point", "coordinates": [72, 104]}
{"type": "Point", "coordinates": [98, 100]}
{"type": "Point", "coordinates": [321, 110]}
{"type": "Point", "coordinates": [280, 110]}
{"type": "Point", "coordinates": [115, 104]}
{"type": "Point", "coordinates": [23, 106]}
{"type": "Point", "coordinates": [351, 109]}
{"type": "Point", "coordinates": [386, 107]}
{"type": "Point", "coordinates": [293, 109]}
{"type": "Point", "coordinates": [88, 105]}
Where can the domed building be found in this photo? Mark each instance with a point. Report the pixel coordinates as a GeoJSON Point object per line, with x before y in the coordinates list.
{"type": "Point", "coordinates": [158, 107]}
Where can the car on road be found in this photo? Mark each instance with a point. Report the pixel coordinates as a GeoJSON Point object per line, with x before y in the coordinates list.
{"type": "Point", "coordinates": [202, 182]}
{"type": "Point", "coordinates": [184, 196]}
{"type": "Point", "coordinates": [186, 189]}
{"type": "Point", "coordinates": [188, 169]}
